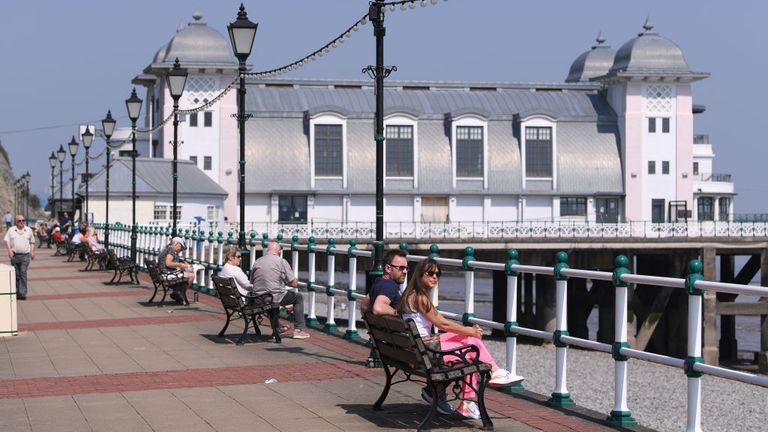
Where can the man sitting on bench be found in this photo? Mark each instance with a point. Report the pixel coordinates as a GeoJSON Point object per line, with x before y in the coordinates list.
{"type": "Point", "coordinates": [176, 273]}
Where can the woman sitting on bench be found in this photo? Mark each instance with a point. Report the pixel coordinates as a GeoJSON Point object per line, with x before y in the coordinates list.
{"type": "Point", "coordinates": [415, 304]}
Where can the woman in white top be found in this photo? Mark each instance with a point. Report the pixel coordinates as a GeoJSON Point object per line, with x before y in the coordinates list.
{"type": "Point", "coordinates": [416, 304]}
{"type": "Point", "coordinates": [231, 269]}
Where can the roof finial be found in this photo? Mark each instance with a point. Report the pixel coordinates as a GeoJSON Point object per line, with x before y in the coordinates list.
{"type": "Point", "coordinates": [180, 27]}
{"type": "Point", "coordinates": [600, 38]}
{"type": "Point", "coordinates": [197, 16]}
{"type": "Point", "coordinates": [648, 26]}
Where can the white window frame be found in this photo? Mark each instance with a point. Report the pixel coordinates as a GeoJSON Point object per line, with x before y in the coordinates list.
{"type": "Point", "coordinates": [212, 212]}
{"type": "Point", "coordinates": [470, 120]}
{"type": "Point", "coordinates": [538, 121]}
{"type": "Point", "coordinates": [401, 119]}
{"type": "Point", "coordinates": [165, 209]}
{"type": "Point", "coordinates": [328, 118]}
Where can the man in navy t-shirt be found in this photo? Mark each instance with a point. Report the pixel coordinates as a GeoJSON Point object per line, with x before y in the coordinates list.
{"type": "Point", "coordinates": [385, 292]}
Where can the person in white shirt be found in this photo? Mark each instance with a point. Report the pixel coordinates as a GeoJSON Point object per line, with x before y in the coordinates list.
{"type": "Point", "coordinates": [20, 241]}
{"type": "Point", "coordinates": [232, 270]}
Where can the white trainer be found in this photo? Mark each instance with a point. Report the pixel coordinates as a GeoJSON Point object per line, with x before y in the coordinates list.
{"type": "Point", "coordinates": [502, 377]}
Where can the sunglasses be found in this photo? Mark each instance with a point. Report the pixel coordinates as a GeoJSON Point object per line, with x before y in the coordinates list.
{"type": "Point", "coordinates": [238, 256]}
{"type": "Point", "coordinates": [432, 273]}
{"type": "Point", "coordinates": [401, 268]}
{"type": "Point", "coordinates": [19, 220]}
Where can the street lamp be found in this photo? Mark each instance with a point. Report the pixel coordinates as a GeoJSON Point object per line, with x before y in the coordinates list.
{"type": "Point", "coordinates": [175, 80]}
{"type": "Point", "coordinates": [73, 151]}
{"type": "Point", "coordinates": [108, 125]}
{"type": "Point", "coordinates": [133, 104]}
{"type": "Point", "coordinates": [241, 34]}
{"type": "Point", "coordinates": [52, 161]}
{"type": "Point", "coordinates": [60, 155]}
{"type": "Point", "coordinates": [87, 138]}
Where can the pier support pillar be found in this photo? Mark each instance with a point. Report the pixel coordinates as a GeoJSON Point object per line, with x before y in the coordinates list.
{"type": "Point", "coordinates": [545, 303]}
{"type": "Point", "coordinates": [729, 346]}
{"type": "Point", "coordinates": [710, 351]}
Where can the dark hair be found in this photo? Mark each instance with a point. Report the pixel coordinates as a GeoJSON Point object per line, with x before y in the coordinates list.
{"type": "Point", "coordinates": [392, 253]}
{"type": "Point", "coordinates": [415, 297]}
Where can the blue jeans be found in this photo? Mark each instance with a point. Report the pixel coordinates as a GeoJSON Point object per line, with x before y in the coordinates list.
{"type": "Point", "coordinates": [21, 262]}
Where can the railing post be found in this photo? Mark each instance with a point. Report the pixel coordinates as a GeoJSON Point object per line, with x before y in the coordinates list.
{"type": "Point", "coordinates": [252, 244]}
{"type": "Point", "coordinates": [193, 259]}
{"type": "Point", "coordinates": [434, 252]}
{"type": "Point", "coordinates": [330, 321]}
{"type": "Point", "coordinates": [469, 286]}
{"type": "Point", "coordinates": [511, 336]}
{"type": "Point", "coordinates": [351, 332]}
{"type": "Point", "coordinates": [311, 316]}
{"type": "Point", "coordinates": [620, 415]}
{"type": "Point", "coordinates": [695, 297]}
{"type": "Point", "coordinates": [264, 243]}
{"type": "Point", "coordinates": [220, 251]}
{"type": "Point", "coordinates": [404, 248]}
{"type": "Point", "coordinates": [295, 256]}
{"type": "Point", "coordinates": [210, 265]}
{"type": "Point", "coordinates": [561, 397]}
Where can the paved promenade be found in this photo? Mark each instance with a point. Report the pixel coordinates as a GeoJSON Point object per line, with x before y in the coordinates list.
{"type": "Point", "coordinates": [95, 357]}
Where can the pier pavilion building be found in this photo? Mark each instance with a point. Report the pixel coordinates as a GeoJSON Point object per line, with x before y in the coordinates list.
{"type": "Point", "coordinates": [614, 142]}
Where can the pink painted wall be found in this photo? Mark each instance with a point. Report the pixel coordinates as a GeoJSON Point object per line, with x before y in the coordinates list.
{"type": "Point", "coordinates": [684, 186]}
{"type": "Point", "coordinates": [633, 156]}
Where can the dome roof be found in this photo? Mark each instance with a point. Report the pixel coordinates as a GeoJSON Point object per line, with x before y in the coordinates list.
{"type": "Point", "coordinates": [593, 63]}
{"type": "Point", "coordinates": [651, 55]}
{"type": "Point", "coordinates": [196, 45]}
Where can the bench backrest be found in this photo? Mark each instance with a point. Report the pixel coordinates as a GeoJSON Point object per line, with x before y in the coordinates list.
{"type": "Point", "coordinates": [398, 342]}
{"type": "Point", "coordinates": [154, 272]}
{"type": "Point", "coordinates": [228, 293]}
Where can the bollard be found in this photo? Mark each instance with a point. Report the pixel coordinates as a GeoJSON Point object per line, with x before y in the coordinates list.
{"type": "Point", "coordinates": [620, 415]}
{"type": "Point", "coordinates": [351, 332]}
{"type": "Point", "coordinates": [330, 322]}
{"type": "Point", "coordinates": [511, 336]}
{"type": "Point", "coordinates": [561, 397]}
{"type": "Point", "coordinates": [695, 297]}
{"type": "Point", "coordinates": [311, 316]}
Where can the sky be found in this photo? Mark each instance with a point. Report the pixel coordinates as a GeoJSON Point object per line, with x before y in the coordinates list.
{"type": "Point", "coordinates": [66, 63]}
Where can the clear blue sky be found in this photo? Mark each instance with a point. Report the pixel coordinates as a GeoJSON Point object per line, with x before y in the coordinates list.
{"type": "Point", "coordinates": [66, 62]}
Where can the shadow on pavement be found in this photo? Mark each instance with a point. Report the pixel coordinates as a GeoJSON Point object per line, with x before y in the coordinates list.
{"type": "Point", "coordinates": [407, 416]}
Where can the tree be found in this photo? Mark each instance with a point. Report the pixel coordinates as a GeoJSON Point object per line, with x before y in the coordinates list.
{"type": "Point", "coordinates": [34, 202]}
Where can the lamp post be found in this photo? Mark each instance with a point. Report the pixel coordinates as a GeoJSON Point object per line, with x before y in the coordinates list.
{"type": "Point", "coordinates": [52, 161]}
{"type": "Point", "coordinates": [241, 34]}
{"type": "Point", "coordinates": [133, 105]}
{"type": "Point", "coordinates": [16, 196]}
{"type": "Point", "coordinates": [26, 194]}
{"type": "Point", "coordinates": [108, 125]}
{"type": "Point", "coordinates": [73, 145]}
{"type": "Point", "coordinates": [60, 155]}
{"type": "Point", "coordinates": [175, 80]}
{"type": "Point", "coordinates": [378, 73]}
{"type": "Point", "coordinates": [87, 138]}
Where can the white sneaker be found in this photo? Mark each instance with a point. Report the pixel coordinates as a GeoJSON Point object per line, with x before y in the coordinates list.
{"type": "Point", "coordinates": [300, 334]}
{"type": "Point", "coordinates": [502, 377]}
{"type": "Point", "coordinates": [468, 409]}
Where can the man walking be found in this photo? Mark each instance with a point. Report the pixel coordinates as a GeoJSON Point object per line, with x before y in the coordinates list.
{"type": "Point", "coordinates": [270, 274]}
{"type": "Point", "coordinates": [7, 218]}
{"type": "Point", "coordinates": [20, 241]}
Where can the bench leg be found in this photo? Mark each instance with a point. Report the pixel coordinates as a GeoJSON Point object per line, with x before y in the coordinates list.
{"type": "Point", "coordinates": [151, 299]}
{"type": "Point", "coordinates": [114, 276]}
{"type": "Point", "coordinates": [245, 331]}
{"type": "Point", "coordinates": [274, 321]}
{"type": "Point", "coordinates": [255, 322]}
{"type": "Point", "coordinates": [385, 392]}
{"type": "Point", "coordinates": [432, 407]}
{"type": "Point", "coordinates": [226, 323]}
{"type": "Point", "coordinates": [482, 381]}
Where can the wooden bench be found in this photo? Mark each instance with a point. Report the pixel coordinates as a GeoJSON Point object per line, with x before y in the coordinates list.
{"type": "Point", "coordinates": [94, 258]}
{"type": "Point", "coordinates": [158, 281]}
{"type": "Point", "coordinates": [401, 349]}
{"type": "Point", "coordinates": [235, 306]}
{"type": "Point", "coordinates": [62, 247]}
{"type": "Point", "coordinates": [74, 250]}
{"type": "Point", "coordinates": [122, 266]}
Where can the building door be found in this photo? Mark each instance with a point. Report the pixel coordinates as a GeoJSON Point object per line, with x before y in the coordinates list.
{"type": "Point", "coordinates": [607, 210]}
{"type": "Point", "coordinates": [657, 211]}
{"type": "Point", "coordinates": [434, 209]}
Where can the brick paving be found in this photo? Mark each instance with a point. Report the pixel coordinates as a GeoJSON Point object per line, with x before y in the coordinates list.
{"type": "Point", "coordinates": [92, 356]}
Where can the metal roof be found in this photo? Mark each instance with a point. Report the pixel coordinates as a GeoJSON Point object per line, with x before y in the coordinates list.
{"type": "Point", "coordinates": [595, 62]}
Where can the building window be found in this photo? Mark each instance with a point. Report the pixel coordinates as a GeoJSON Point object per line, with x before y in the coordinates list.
{"type": "Point", "coordinates": [538, 152]}
{"type": "Point", "coordinates": [469, 151]}
{"type": "Point", "coordinates": [193, 159]}
{"type": "Point", "coordinates": [665, 125]}
{"type": "Point", "coordinates": [207, 119]}
{"type": "Point", "coordinates": [293, 209]}
{"type": "Point", "coordinates": [207, 163]}
{"type": "Point", "coordinates": [193, 120]}
{"type": "Point", "coordinates": [160, 213]}
{"type": "Point", "coordinates": [651, 167]}
{"type": "Point", "coordinates": [651, 124]}
{"type": "Point", "coordinates": [725, 204]}
{"type": "Point", "coordinates": [573, 206]}
{"type": "Point", "coordinates": [665, 167]}
{"type": "Point", "coordinates": [178, 212]}
{"type": "Point", "coordinates": [328, 150]}
{"type": "Point", "coordinates": [706, 209]}
{"type": "Point", "coordinates": [695, 168]}
{"type": "Point", "coordinates": [213, 213]}
{"type": "Point", "coordinates": [399, 151]}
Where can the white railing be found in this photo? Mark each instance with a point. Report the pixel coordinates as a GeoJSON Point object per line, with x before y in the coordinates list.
{"type": "Point", "coordinates": [207, 250]}
{"type": "Point", "coordinates": [503, 231]}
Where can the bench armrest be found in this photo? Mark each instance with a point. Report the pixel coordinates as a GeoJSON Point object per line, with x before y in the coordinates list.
{"type": "Point", "coordinates": [261, 301]}
{"type": "Point", "coordinates": [460, 355]}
